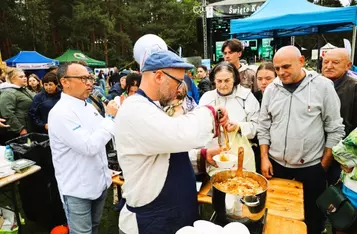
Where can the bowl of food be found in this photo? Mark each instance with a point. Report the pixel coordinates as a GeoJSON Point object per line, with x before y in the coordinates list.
{"type": "Point", "coordinates": [226, 160]}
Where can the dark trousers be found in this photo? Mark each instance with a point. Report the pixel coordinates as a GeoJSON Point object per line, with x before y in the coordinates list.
{"type": "Point", "coordinates": [333, 175]}
{"type": "Point", "coordinates": [314, 182]}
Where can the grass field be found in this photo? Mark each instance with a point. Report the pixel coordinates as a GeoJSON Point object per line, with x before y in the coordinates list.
{"type": "Point", "coordinates": [109, 223]}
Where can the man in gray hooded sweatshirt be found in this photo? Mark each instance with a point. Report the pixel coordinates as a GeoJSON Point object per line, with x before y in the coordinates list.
{"type": "Point", "coordinates": [299, 123]}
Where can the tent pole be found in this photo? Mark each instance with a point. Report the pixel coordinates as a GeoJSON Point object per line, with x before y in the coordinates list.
{"type": "Point", "coordinates": [204, 26]}
{"type": "Point", "coordinates": [353, 44]}
{"type": "Point", "coordinates": [318, 53]}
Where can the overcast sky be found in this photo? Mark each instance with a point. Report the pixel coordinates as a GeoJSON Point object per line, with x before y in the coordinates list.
{"type": "Point", "coordinates": [345, 2]}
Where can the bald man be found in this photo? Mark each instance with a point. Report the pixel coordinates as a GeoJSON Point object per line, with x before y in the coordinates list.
{"type": "Point", "coordinates": [299, 123]}
{"type": "Point", "coordinates": [335, 66]}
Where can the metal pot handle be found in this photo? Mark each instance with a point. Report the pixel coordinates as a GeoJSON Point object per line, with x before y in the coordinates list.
{"type": "Point", "coordinates": [250, 204]}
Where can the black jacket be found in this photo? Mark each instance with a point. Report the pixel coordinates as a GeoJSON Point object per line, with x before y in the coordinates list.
{"type": "Point", "coordinates": [114, 91]}
{"type": "Point", "coordinates": [204, 85]}
{"type": "Point", "coordinates": [346, 90]}
{"type": "Point", "coordinates": [40, 108]}
{"type": "Point", "coordinates": [114, 78]}
{"type": "Point", "coordinates": [259, 96]}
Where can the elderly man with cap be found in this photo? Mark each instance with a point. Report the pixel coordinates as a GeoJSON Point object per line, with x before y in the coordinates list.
{"type": "Point", "coordinates": [152, 147]}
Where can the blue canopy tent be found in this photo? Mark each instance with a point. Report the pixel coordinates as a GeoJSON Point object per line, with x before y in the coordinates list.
{"type": "Point", "coordinates": [276, 18]}
{"type": "Point", "coordinates": [32, 61]}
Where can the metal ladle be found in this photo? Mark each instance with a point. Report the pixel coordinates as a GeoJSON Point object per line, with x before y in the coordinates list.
{"type": "Point", "coordinates": [224, 146]}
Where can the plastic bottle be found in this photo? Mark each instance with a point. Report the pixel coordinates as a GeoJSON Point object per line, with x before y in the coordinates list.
{"type": "Point", "coordinates": [9, 154]}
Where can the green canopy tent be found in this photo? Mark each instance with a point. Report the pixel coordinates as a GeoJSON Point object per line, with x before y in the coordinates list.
{"type": "Point", "coordinates": [77, 55]}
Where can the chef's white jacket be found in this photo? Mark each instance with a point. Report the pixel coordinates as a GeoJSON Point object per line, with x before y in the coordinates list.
{"type": "Point", "coordinates": [78, 135]}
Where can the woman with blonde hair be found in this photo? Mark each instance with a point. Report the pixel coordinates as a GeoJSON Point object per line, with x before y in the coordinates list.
{"type": "Point", "coordinates": [15, 101]}
{"type": "Point", "coordinates": [34, 83]}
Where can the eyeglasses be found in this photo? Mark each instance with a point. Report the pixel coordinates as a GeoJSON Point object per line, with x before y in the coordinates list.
{"type": "Point", "coordinates": [84, 79]}
{"type": "Point", "coordinates": [180, 82]}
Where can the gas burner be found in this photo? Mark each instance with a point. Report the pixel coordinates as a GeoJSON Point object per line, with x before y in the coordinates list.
{"type": "Point", "coordinates": [254, 228]}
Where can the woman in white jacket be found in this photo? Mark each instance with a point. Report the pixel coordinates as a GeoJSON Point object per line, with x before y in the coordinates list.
{"type": "Point", "coordinates": [242, 106]}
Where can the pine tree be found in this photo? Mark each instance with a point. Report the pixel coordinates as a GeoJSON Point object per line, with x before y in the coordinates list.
{"type": "Point", "coordinates": [330, 3]}
{"type": "Point", "coordinates": [52, 26]}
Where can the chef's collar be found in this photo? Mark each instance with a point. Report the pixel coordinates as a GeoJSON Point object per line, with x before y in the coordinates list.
{"type": "Point", "coordinates": [73, 100]}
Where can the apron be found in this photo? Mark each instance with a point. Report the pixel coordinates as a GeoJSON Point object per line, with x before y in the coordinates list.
{"type": "Point", "coordinates": [176, 205]}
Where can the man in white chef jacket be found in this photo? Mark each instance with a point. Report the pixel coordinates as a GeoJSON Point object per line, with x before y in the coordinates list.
{"type": "Point", "coordinates": [78, 135]}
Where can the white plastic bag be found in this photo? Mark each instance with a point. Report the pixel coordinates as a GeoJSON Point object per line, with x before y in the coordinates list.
{"type": "Point", "coordinates": [236, 140]}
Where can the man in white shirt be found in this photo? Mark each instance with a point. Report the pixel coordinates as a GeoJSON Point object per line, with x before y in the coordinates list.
{"type": "Point", "coordinates": [160, 188]}
{"type": "Point", "coordinates": [78, 135]}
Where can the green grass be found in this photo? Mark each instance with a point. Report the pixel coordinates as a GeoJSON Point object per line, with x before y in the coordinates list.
{"type": "Point", "coordinates": [109, 222]}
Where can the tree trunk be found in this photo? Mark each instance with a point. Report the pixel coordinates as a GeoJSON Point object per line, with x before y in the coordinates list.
{"type": "Point", "coordinates": [122, 41]}
{"type": "Point", "coordinates": [55, 41]}
{"type": "Point", "coordinates": [8, 46]}
{"type": "Point", "coordinates": [92, 40]}
{"type": "Point", "coordinates": [106, 50]}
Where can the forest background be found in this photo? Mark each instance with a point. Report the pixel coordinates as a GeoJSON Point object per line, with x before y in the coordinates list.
{"type": "Point", "coordinates": [107, 28]}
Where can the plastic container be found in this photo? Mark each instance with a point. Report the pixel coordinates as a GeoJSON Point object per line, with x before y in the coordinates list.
{"type": "Point", "coordinates": [9, 154]}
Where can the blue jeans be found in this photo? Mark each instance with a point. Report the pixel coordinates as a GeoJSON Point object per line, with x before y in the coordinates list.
{"type": "Point", "coordinates": [83, 215]}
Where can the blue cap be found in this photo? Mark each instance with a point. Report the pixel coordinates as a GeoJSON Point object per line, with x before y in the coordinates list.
{"type": "Point", "coordinates": [164, 59]}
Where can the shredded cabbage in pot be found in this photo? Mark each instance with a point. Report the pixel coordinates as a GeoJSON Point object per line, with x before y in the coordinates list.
{"type": "Point", "coordinates": [244, 186]}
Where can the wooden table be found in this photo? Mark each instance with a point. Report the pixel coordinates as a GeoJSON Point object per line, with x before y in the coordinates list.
{"type": "Point", "coordinates": [285, 203]}
{"type": "Point", "coordinates": [18, 176]}
{"type": "Point", "coordinates": [285, 198]}
{"type": "Point", "coordinates": [11, 181]}
{"type": "Point", "coordinates": [277, 224]}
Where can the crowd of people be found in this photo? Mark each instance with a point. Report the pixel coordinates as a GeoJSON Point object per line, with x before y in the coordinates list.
{"type": "Point", "coordinates": [164, 126]}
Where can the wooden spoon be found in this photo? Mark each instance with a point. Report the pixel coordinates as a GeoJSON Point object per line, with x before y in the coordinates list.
{"type": "Point", "coordinates": [239, 172]}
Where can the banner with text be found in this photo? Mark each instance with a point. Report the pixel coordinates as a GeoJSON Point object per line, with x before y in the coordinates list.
{"type": "Point", "coordinates": [33, 66]}
{"type": "Point", "coordinates": [232, 10]}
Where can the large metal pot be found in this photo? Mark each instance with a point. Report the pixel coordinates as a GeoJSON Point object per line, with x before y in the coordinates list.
{"type": "Point", "coordinates": [238, 208]}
